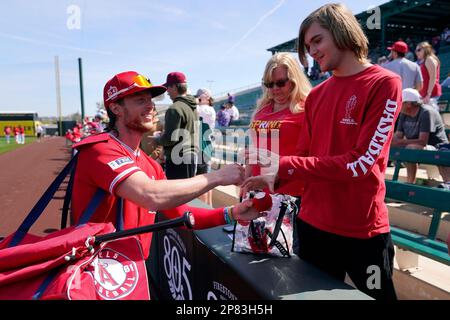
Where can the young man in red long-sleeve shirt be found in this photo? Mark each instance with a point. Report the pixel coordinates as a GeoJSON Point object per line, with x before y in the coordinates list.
{"type": "Point", "coordinates": [342, 155]}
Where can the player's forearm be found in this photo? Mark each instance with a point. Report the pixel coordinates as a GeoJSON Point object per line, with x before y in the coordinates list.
{"type": "Point", "coordinates": [165, 194]}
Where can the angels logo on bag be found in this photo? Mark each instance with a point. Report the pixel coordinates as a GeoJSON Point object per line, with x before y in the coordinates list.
{"type": "Point", "coordinates": [115, 275]}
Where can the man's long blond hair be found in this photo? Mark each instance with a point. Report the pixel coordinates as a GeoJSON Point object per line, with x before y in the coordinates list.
{"type": "Point", "coordinates": [301, 85]}
{"type": "Point", "coordinates": [343, 26]}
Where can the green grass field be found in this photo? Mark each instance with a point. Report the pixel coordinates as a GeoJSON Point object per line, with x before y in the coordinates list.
{"type": "Point", "coordinates": [4, 147]}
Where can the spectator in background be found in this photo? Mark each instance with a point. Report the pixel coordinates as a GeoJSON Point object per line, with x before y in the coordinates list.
{"type": "Point", "coordinates": [77, 132]}
{"type": "Point", "coordinates": [410, 54]}
{"type": "Point", "coordinates": [69, 137]}
{"type": "Point", "coordinates": [180, 129]}
{"type": "Point", "coordinates": [420, 127]}
{"type": "Point", "coordinates": [324, 75]}
{"type": "Point", "coordinates": [382, 61]}
{"type": "Point", "coordinates": [223, 117]}
{"type": "Point", "coordinates": [7, 131]}
{"type": "Point", "coordinates": [205, 107]}
{"type": "Point", "coordinates": [436, 44]}
{"type": "Point", "coordinates": [408, 71]}
{"type": "Point", "coordinates": [430, 67]}
{"type": "Point", "coordinates": [96, 125]}
{"type": "Point", "coordinates": [148, 143]}
{"type": "Point", "coordinates": [314, 74]}
{"type": "Point", "coordinates": [232, 109]}
{"type": "Point", "coordinates": [446, 82]}
{"type": "Point", "coordinates": [100, 124]}
{"type": "Point", "coordinates": [446, 35]}
{"type": "Point", "coordinates": [39, 132]}
{"type": "Point", "coordinates": [207, 117]}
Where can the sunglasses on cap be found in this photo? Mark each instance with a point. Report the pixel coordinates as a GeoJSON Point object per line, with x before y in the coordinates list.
{"type": "Point", "coordinates": [280, 83]}
{"type": "Point", "coordinates": [142, 81]}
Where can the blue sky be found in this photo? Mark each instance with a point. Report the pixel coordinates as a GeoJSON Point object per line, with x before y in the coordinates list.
{"type": "Point", "coordinates": [220, 45]}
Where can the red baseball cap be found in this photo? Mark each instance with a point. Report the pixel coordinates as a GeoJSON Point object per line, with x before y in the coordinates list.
{"type": "Point", "coordinates": [399, 46]}
{"type": "Point", "coordinates": [126, 83]}
{"type": "Point", "coordinates": [174, 78]}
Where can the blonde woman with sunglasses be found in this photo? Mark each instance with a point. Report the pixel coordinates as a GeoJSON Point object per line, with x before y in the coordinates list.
{"type": "Point", "coordinates": [430, 68]}
{"type": "Point", "coordinates": [278, 117]}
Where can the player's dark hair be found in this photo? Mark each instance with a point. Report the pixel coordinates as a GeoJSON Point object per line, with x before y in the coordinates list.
{"type": "Point", "coordinates": [113, 118]}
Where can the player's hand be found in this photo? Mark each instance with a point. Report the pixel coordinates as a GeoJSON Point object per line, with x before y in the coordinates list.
{"type": "Point", "coordinates": [245, 211]}
{"type": "Point", "coordinates": [230, 174]}
{"type": "Point", "coordinates": [259, 183]}
{"type": "Point", "coordinates": [267, 160]}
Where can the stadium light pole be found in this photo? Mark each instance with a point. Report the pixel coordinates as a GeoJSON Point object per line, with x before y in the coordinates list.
{"type": "Point", "coordinates": [80, 71]}
{"type": "Point", "coordinates": [58, 95]}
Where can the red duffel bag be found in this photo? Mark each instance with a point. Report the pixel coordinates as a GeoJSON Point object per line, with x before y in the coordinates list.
{"type": "Point", "coordinates": [88, 261]}
{"type": "Point", "coordinates": [68, 265]}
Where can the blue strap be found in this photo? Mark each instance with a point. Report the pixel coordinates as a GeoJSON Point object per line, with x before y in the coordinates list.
{"type": "Point", "coordinates": [119, 215]}
{"type": "Point", "coordinates": [92, 207]}
{"type": "Point", "coordinates": [48, 279]}
{"type": "Point", "coordinates": [40, 206]}
{"type": "Point", "coordinates": [68, 197]}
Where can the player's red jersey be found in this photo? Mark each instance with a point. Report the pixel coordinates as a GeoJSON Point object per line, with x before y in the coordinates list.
{"type": "Point", "coordinates": [104, 162]}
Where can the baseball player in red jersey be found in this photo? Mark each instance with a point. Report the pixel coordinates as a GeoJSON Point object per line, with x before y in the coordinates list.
{"type": "Point", "coordinates": [21, 135]}
{"type": "Point", "coordinates": [342, 155]}
{"type": "Point", "coordinates": [113, 162]}
{"type": "Point", "coordinates": [7, 131]}
{"type": "Point", "coordinates": [17, 135]}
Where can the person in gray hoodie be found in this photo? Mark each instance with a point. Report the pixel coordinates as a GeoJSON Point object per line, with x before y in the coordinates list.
{"type": "Point", "coordinates": [179, 140]}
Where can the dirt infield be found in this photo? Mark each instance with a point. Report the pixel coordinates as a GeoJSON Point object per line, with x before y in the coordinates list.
{"type": "Point", "coordinates": [25, 175]}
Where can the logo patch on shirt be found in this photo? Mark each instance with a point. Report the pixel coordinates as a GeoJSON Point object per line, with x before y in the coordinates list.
{"type": "Point", "coordinates": [116, 164]}
{"type": "Point", "coordinates": [291, 172]}
{"type": "Point", "coordinates": [349, 108]}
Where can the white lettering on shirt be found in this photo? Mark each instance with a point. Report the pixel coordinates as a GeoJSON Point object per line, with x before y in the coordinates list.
{"type": "Point", "coordinates": [377, 141]}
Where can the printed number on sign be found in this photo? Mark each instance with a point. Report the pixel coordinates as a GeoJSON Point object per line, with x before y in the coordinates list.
{"type": "Point", "coordinates": [176, 271]}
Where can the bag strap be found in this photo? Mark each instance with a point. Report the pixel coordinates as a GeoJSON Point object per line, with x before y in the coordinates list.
{"type": "Point", "coordinates": [92, 207]}
{"type": "Point", "coordinates": [278, 224]}
{"type": "Point", "coordinates": [234, 230]}
{"type": "Point", "coordinates": [68, 198]}
{"type": "Point", "coordinates": [284, 251]}
{"type": "Point", "coordinates": [119, 215]}
{"type": "Point", "coordinates": [40, 206]}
